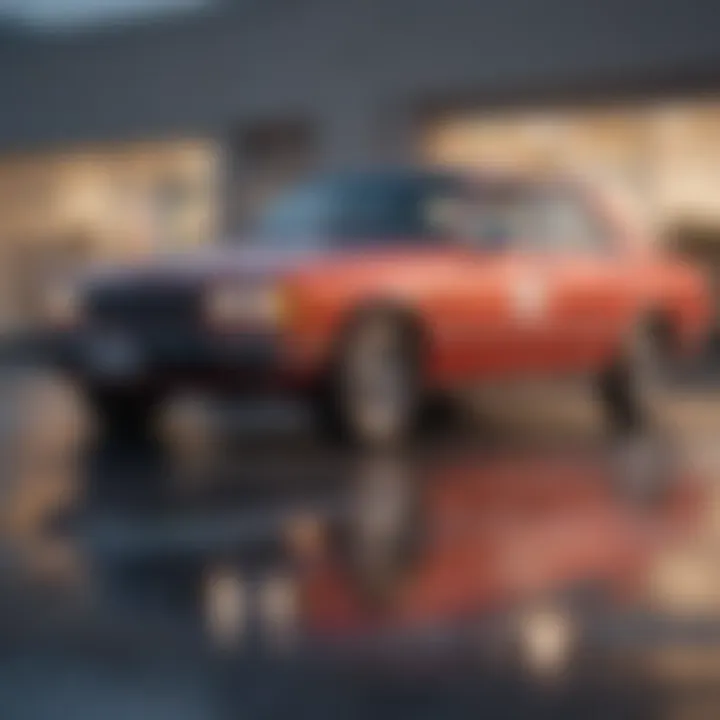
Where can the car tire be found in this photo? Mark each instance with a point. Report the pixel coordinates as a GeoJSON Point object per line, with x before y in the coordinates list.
{"type": "Point", "coordinates": [124, 412]}
{"type": "Point", "coordinates": [632, 389]}
{"type": "Point", "coordinates": [373, 394]}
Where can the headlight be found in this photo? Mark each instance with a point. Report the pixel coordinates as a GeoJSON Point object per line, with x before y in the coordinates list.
{"type": "Point", "coordinates": [62, 305]}
{"type": "Point", "coordinates": [238, 305]}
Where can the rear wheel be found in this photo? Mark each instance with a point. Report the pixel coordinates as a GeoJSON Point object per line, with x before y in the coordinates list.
{"type": "Point", "coordinates": [373, 394]}
{"type": "Point", "coordinates": [632, 390]}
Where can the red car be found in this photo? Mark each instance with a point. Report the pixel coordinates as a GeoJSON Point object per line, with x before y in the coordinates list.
{"type": "Point", "coordinates": [368, 293]}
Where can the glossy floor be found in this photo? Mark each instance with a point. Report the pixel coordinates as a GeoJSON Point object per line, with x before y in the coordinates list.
{"type": "Point", "coordinates": [508, 559]}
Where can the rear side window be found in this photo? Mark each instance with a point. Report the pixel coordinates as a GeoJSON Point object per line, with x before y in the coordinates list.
{"type": "Point", "coordinates": [534, 219]}
{"type": "Point", "coordinates": [563, 221]}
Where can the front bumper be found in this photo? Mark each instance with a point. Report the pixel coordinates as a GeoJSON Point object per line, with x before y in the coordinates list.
{"type": "Point", "coordinates": [105, 356]}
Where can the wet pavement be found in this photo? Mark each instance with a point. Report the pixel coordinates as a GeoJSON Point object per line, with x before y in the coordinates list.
{"type": "Point", "coordinates": [516, 561]}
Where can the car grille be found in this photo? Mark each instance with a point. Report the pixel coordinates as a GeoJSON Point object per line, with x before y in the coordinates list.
{"type": "Point", "coordinates": [146, 308]}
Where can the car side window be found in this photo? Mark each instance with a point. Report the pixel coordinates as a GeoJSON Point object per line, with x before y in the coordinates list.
{"type": "Point", "coordinates": [563, 222]}
{"type": "Point", "coordinates": [526, 218]}
{"type": "Point", "coordinates": [498, 220]}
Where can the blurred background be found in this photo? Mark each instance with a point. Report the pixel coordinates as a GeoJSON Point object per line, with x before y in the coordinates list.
{"type": "Point", "coordinates": [130, 127]}
{"type": "Point", "coordinates": [523, 566]}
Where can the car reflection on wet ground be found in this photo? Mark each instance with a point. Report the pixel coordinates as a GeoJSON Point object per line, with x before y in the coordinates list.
{"type": "Point", "coordinates": [228, 571]}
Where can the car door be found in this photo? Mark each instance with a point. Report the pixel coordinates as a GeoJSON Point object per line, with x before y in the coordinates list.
{"type": "Point", "coordinates": [510, 303]}
{"type": "Point", "coordinates": [589, 284]}
{"type": "Point", "coordinates": [492, 291]}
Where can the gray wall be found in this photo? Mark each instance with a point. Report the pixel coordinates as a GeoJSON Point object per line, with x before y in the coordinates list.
{"type": "Point", "coordinates": [356, 67]}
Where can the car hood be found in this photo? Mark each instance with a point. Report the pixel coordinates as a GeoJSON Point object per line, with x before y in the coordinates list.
{"type": "Point", "coordinates": [207, 265]}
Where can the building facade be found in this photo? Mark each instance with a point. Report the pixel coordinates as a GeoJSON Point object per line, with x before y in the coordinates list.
{"type": "Point", "coordinates": [119, 140]}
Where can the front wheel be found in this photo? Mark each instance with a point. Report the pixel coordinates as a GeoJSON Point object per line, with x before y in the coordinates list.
{"type": "Point", "coordinates": [373, 394]}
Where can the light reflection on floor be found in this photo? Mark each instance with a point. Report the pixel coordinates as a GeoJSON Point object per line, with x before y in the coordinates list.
{"type": "Point", "coordinates": [536, 547]}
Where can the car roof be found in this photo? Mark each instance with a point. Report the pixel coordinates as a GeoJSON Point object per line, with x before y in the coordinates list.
{"type": "Point", "coordinates": [494, 176]}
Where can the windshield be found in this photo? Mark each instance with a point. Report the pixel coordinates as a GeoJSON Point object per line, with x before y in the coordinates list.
{"type": "Point", "coordinates": [359, 211]}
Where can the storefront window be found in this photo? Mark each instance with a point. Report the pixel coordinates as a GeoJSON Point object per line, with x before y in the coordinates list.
{"type": "Point", "coordinates": [60, 211]}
